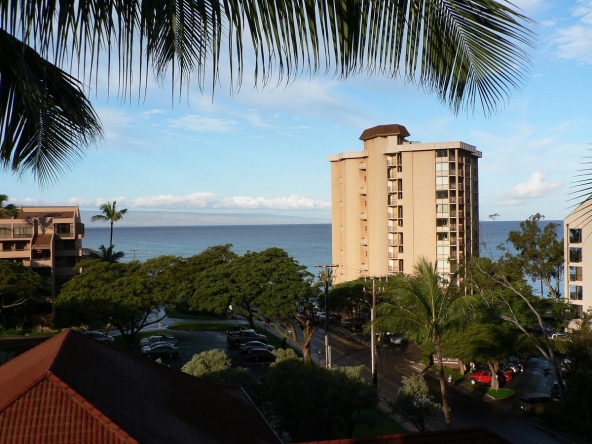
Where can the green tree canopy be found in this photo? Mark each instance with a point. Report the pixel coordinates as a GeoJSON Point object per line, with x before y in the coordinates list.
{"type": "Point", "coordinates": [309, 401]}
{"type": "Point", "coordinates": [18, 284]}
{"type": "Point", "coordinates": [121, 295]}
{"type": "Point", "coordinates": [267, 285]}
{"type": "Point", "coordinates": [468, 52]}
{"type": "Point", "coordinates": [539, 253]}
{"type": "Point", "coordinates": [414, 402]}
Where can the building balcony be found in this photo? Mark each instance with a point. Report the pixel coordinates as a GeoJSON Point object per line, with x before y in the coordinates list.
{"type": "Point", "coordinates": [362, 165]}
{"type": "Point", "coordinates": [15, 254]}
{"type": "Point", "coordinates": [363, 191]}
{"type": "Point", "coordinates": [363, 266]}
{"type": "Point", "coordinates": [363, 216]}
{"type": "Point", "coordinates": [392, 229]}
{"type": "Point", "coordinates": [41, 263]}
{"type": "Point", "coordinates": [364, 241]}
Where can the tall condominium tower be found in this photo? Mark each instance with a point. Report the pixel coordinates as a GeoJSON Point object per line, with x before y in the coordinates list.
{"type": "Point", "coordinates": [397, 201]}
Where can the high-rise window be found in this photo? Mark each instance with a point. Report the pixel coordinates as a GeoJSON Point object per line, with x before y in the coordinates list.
{"type": "Point", "coordinates": [575, 254]}
{"type": "Point", "coordinates": [575, 235]}
{"type": "Point", "coordinates": [576, 292]}
{"type": "Point", "coordinates": [575, 273]}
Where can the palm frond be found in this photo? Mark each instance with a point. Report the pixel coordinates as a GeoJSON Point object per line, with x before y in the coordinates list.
{"type": "Point", "coordinates": [468, 52]}
{"type": "Point", "coordinates": [46, 121]}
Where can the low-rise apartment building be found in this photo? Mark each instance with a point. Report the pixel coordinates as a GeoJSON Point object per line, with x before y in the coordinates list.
{"type": "Point", "coordinates": [46, 239]}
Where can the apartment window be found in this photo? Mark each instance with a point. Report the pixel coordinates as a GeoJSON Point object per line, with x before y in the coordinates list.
{"type": "Point", "coordinates": [442, 167]}
{"type": "Point", "coordinates": [442, 194]}
{"type": "Point", "coordinates": [575, 273]}
{"type": "Point", "coordinates": [401, 265]}
{"type": "Point", "coordinates": [575, 254]}
{"type": "Point", "coordinates": [443, 251]}
{"type": "Point", "coordinates": [577, 311]}
{"type": "Point", "coordinates": [64, 229]}
{"type": "Point", "coordinates": [442, 208]}
{"type": "Point", "coordinates": [442, 181]}
{"type": "Point", "coordinates": [575, 235]}
{"type": "Point", "coordinates": [576, 292]}
{"type": "Point", "coordinates": [441, 153]}
{"type": "Point", "coordinates": [399, 184]}
{"type": "Point", "coordinates": [400, 211]}
{"type": "Point", "coordinates": [442, 237]}
{"type": "Point", "coordinates": [441, 222]}
{"type": "Point", "coordinates": [5, 230]}
{"type": "Point", "coordinates": [22, 231]}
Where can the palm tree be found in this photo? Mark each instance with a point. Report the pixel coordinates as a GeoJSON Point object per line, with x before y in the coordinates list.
{"type": "Point", "coordinates": [468, 52]}
{"type": "Point", "coordinates": [7, 210]}
{"type": "Point", "coordinates": [108, 255]}
{"type": "Point", "coordinates": [110, 214]}
{"type": "Point", "coordinates": [424, 305]}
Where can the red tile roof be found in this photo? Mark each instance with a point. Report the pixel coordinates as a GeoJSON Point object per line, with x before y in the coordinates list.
{"type": "Point", "coordinates": [473, 435]}
{"type": "Point", "coordinates": [73, 389]}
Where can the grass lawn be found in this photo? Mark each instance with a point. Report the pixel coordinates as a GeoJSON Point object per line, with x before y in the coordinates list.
{"type": "Point", "coordinates": [500, 393]}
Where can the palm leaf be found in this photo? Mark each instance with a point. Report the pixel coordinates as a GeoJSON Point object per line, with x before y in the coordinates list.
{"type": "Point", "coordinates": [46, 120]}
{"type": "Point", "coordinates": [467, 52]}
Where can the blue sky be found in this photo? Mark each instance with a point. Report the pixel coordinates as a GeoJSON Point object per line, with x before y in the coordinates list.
{"type": "Point", "coordinates": [266, 151]}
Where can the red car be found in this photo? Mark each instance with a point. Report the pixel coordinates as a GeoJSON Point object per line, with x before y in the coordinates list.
{"type": "Point", "coordinates": [480, 377]}
{"type": "Point", "coordinates": [505, 375]}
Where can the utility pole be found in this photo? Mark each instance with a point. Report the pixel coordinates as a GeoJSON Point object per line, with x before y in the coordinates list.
{"type": "Point", "coordinates": [375, 291]}
{"type": "Point", "coordinates": [327, 275]}
{"type": "Point", "coordinates": [134, 250]}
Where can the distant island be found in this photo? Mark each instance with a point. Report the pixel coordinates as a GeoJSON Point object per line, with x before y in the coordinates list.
{"type": "Point", "coordinates": [136, 218]}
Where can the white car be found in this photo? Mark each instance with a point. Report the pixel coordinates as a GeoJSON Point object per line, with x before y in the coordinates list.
{"type": "Point", "coordinates": [255, 344]}
{"type": "Point", "coordinates": [99, 336]}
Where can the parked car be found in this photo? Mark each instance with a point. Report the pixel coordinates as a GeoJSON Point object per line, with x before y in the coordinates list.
{"type": "Point", "coordinates": [255, 344]}
{"type": "Point", "coordinates": [398, 340]}
{"type": "Point", "coordinates": [244, 336]}
{"type": "Point", "coordinates": [236, 328]}
{"type": "Point", "coordinates": [513, 366]}
{"type": "Point", "coordinates": [480, 377]}
{"type": "Point", "coordinates": [260, 355]}
{"type": "Point", "coordinates": [352, 323]}
{"type": "Point", "coordinates": [99, 336]}
{"type": "Point", "coordinates": [322, 316]}
{"type": "Point", "coordinates": [158, 338]}
{"type": "Point", "coordinates": [505, 375]}
{"type": "Point", "coordinates": [160, 350]}
{"type": "Point", "coordinates": [531, 402]}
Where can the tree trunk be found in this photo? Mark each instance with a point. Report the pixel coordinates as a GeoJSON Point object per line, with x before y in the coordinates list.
{"type": "Point", "coordinates": [493, 368]}
{"type": "Point", "coordinates": [443, 386]}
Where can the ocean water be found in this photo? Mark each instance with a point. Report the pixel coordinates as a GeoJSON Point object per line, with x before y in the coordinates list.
{"type": "Point", "coordinates": [310, 244]}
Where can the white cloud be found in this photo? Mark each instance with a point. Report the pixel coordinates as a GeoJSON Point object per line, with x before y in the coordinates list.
{"type": "Point", "coordinates": [534, 187]}
{"type": "Point", "coordinates": [575, 42]}
{"type": "Point", "coordinates": [197, 123]}
{"type": "Point", "coordinates": [204, 201]}
{"type": "Point", "coordinates": [294, 202]}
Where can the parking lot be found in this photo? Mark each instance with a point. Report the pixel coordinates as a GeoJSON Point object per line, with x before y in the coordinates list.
{"type": "Point", "coordinates": [194, 342]}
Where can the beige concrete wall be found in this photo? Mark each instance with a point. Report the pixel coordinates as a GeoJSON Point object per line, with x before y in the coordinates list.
{"type": "Point", "coordinates": [578, 219]}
